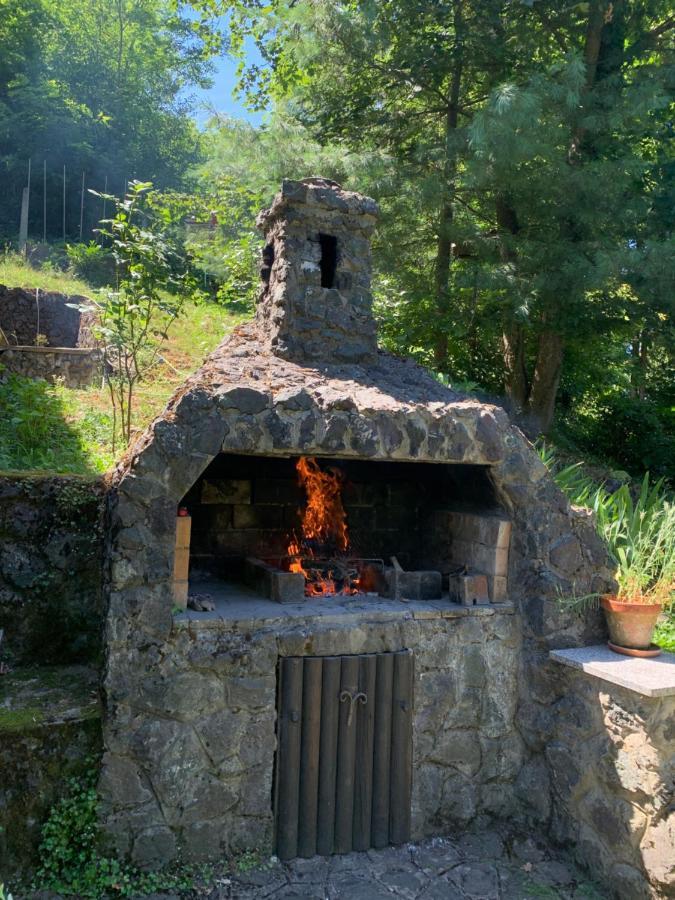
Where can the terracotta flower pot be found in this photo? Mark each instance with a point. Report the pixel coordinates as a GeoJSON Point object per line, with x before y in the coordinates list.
{"type": "Point", "coordinates": [631, 625]}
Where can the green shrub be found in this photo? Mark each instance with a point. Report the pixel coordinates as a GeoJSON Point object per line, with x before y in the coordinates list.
{"type": "Point", "coordinates": [635, 434]}
{"type": "Point", "coordinates": [93, 263]}
{"type": "Point", "coordinates": [71, 861]}
{"type": "Point", "coordinates": [238, 273]}
{"type": "Point", "coordinates": [638, 525]}
{"type": "Point", "coordinates": [640, 533]}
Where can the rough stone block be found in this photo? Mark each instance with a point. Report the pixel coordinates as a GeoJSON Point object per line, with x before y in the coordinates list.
{"type": "Point", "coordinates": [226, 490]}
{"type": "Point", "coordinates": [154, 847]}
{"type": "Point", "coordinates": [257, 516]}
{"type": "Point", "coordinates": [469, 590]}
{"type": "Point", "coordinates": [422, 585]}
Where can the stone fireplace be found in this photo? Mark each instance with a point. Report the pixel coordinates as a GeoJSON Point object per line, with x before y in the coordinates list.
{"type": "Point", "coordinates": [396, 517]}
{"type": "Point", "coordinates": [214, 742]}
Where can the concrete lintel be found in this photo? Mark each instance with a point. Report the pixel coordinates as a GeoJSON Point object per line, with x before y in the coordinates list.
{"type": "Point", "coordinates": [653, 677]}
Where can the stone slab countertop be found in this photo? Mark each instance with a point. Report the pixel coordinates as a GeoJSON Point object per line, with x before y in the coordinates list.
{"type": "Point", "coordinates": [653, 677]}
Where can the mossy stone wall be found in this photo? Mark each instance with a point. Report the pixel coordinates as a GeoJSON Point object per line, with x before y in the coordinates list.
{"type": "Point", "coordinates": [51, 545]}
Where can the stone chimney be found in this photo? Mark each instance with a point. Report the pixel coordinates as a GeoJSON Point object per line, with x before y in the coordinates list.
{"type": "Point", "coordinates": [315, 303]}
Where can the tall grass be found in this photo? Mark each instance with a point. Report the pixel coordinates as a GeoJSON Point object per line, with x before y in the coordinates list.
{"type": "Point", "coordinates": [69, 430]}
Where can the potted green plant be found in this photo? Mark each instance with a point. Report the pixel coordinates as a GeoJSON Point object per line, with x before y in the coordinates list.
{"type": "Point", "coordinates": [641, 538]}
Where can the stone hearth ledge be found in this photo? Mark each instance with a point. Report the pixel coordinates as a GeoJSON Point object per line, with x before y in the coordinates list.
{"type": "Point", "coordinates": [653, 677]}
{"type": "Point", "coordinates": [238, 606]}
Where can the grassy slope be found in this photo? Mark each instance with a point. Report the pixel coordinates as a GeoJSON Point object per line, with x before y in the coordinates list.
{"type": "Point", "coordinates": [52, 428]}
{"type": "Point", "coordinates": [14, 272]}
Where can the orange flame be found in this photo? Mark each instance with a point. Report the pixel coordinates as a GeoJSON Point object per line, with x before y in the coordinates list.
{"type": "Point", "coordinates": [324, 518]}
{"type": "Point", "coordinates": [324, 522]}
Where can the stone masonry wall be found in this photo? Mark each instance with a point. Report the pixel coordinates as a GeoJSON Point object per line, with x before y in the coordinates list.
{"type": "Point", "coordinates": [23, 317]}
{"type": "Point", "coordinates": [76, 368]}
{"type": "Point", "coordinates": [51, 548]}
{"type": "Point", "coordinates": [301, 317]}
{"type": "Point", "coordinates": [611, 761]}
{"type": "Point", "coordinates": [50, 731]}
{"type": "Point", "coordinates": [195, 779]}
{"type": "Point", "coordinates": [244, 401]}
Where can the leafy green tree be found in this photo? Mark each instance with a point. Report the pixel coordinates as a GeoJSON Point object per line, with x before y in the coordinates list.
{"type": "Point", "coordinates": [102, 87]}
{"type": "Point", "coordinates": [214, 224]}
{"type": "Point", "coordinates": [135, 318]}
{"type": "Point", "coordinates": [523, 165]}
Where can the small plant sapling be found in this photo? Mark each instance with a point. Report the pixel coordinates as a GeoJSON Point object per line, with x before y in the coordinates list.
{"type": "Point", "coordinates": [135, 317]}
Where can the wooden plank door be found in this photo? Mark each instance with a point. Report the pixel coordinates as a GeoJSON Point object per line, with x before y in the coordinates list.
{"type": "Point", "coordinates": [344, 759]}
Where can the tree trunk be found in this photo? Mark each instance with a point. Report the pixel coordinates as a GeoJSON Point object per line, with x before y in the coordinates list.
{"type": "Point", "coordinates": [638, 375]}
{"type": "Point", "coordinates": [444, 242]}
{"type": "Point", "coordinates": [545, 380]}
{"type": "Point", "coordinates": [513, 334]}
{"type": "Point", "coordinates": [598, 10]}
{"type": "Point", "coordinates": [441, 286]}
{"type": "Point", "coordinates": [515, 368]}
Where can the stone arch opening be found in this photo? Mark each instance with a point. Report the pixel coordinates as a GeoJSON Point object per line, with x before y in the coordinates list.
{"type": "Point", "coordinates": [428, 517]}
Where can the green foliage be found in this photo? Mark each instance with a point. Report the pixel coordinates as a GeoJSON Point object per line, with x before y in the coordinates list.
{"type": "Point", "coordinates": [522, 159]}
{"type": "Point", "coordinates": [36, 431]}
{"type": "Point", "coordinates": [580, 488]}
{"type": "Point", "coordinates": [4, 895]}
{"type": "Point", "coordinates": [214, 231]}
{"type": "Point", "coordinates": [640, 532]}
{"type": "Point", "coordinates": [102, 86]}
{"type": "Point", "coordinates": [15, 271]}
{"type": "Point", "coordinates": [134, 317]}
{"type": "Point", "coordinates": [638, 526]}
{"type": "Point", "coordinates": [92, 262]}
{"type": "Point", "coordinates": [241, 263]}
{"type": "Point", "coordinates": [58, 429]}
{"type": "Point", "coordinates": [71, 861]}
{"type": "Point", "coordinates": [664, 633]}
{"type": "Point", "coordinates": [634, 433]}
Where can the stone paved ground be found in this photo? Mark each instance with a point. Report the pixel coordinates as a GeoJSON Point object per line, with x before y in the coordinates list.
{"type": "Point", "coordinates": [491, 865]}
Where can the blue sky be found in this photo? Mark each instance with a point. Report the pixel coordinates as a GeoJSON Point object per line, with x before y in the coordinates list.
{"type": "Point", "coordinates": [219, 98]}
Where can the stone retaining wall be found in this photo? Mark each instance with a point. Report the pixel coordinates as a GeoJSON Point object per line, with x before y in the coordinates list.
{"type": "Point", "coordinates": [25, 314]}
{"type": "Point", "coordinates": [50, 731]}
{"type": "Point", "coordinates": [611, 762]}
{"type": "Point", "coordinates": [76, 368]}
{"type": "Point", "coordinates": [51, 546]}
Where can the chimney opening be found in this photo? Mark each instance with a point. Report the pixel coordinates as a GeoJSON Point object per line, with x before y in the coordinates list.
{"type": "Point", "coordinates": [328, 259]}
{"type": "Point", "coordinates": [267, 262]}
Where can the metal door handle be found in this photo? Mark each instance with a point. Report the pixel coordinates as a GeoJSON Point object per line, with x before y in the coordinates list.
{"type": "Point", "coordinates": [353, 697]}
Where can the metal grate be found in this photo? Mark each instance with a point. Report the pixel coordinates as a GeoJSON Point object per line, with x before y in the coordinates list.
{"type": "Point", "coordinates": [344, 758]}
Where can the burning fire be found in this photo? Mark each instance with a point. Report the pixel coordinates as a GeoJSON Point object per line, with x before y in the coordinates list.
{"type": "Point", "coordinates": [324, 529]}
